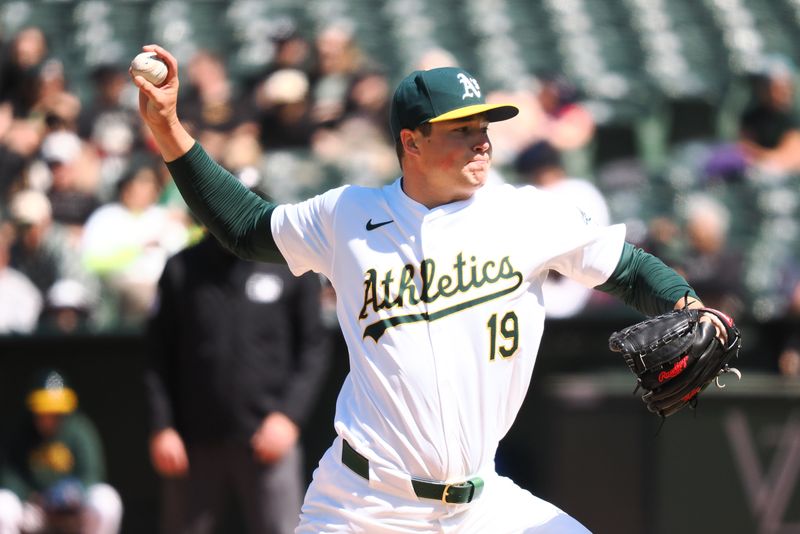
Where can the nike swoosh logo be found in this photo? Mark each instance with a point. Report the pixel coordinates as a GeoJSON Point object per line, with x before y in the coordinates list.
{"type": "Point", "coordinates": [371, 226]}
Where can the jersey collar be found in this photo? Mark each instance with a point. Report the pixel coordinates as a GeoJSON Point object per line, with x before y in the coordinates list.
{"type": "Point", "coordinates": [396, 190]}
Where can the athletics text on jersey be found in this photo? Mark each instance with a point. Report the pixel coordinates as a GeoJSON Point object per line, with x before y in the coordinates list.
{"type": "Point", "coordinates": [380, 295]}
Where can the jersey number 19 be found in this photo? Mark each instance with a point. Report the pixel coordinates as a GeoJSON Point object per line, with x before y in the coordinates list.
{"type": "Point", "coordinates": [508, 329]}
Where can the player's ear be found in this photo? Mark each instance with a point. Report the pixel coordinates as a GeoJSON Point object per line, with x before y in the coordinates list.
{"type": "Point", "coordinates": [409, 142]}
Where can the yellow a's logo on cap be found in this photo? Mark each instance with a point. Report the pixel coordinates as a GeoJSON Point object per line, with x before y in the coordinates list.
{"type": "Point", "coordinates": [471, 87]}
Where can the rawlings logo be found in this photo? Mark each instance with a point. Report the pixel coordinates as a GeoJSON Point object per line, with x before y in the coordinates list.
{"type": "Point", "coordinates": [679, 367]}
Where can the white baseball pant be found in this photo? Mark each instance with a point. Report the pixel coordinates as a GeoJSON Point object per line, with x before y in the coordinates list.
{"type": "Point", "coordinates": [102, 514]}
{"type": "Point", "coordinates": [339, 500]}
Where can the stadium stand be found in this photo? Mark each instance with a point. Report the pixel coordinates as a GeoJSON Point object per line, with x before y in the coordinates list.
{"type": "Point", "coordinates": [665, 80]}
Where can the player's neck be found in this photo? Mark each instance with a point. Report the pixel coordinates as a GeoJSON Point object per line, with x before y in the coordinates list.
{"type": "Point", "coordinates": [425, 191]}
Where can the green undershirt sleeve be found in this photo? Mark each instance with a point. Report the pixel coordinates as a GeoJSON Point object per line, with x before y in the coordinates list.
{"type": "Point", "coordinates": [644, 282]}
{"type": "Point", "coordinates": [237, 217]}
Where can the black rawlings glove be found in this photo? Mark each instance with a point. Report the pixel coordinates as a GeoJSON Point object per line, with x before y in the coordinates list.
{"type": "Point", "coordinates": [674, 356]}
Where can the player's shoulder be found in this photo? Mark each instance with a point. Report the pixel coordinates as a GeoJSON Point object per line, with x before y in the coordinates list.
{"type": "Point", "coordinates": [358, 193]}
{"type": "Point", "coordinates": [512, 194]}
{"type": "Point", "coordinates": [346, 194]}
{"type": "Point", "coordinates": [526, 203]}
{"type": "Point", "coordinates": [328, 209]}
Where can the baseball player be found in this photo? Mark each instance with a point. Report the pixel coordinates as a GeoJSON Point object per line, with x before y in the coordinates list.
{"type": "Point", "coordinates": [438, 279]}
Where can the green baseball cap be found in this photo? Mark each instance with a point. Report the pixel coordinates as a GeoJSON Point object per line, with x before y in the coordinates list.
{"type": "Point", "coordinates": [440, 95]}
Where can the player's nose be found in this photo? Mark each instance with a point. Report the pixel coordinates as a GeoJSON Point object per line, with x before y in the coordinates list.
{"type": "Point", "coordinates": [482, 144]}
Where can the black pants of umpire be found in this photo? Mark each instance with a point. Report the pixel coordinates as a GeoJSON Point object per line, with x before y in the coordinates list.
{"type": "Point", "coordinates": [268, 495]}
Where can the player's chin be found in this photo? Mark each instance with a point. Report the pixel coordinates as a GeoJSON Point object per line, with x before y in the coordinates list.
{"type": "Point", "coordinates": [477, 174]}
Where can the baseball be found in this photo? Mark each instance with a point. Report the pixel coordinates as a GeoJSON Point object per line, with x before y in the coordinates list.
{"type": "Point", "coordinates": [150, 67]}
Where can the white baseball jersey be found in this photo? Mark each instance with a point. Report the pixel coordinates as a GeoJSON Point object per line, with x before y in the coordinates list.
{"type": "Point", "coordinates": [442, 313]}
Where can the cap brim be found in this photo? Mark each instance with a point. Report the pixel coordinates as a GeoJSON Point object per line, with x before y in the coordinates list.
{"type": "Point", "coordinates": [494, 112]}
{"type": "Point", "coordinates": [53, 401]}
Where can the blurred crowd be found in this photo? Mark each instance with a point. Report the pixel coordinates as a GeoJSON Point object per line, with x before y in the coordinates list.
{"type": "Point", "coordinates": [89, 215]}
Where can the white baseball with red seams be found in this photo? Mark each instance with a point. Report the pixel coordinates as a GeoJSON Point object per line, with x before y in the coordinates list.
{"type": "Point", "coordinates": [442, 312]}
{"type": "Point", "coordinates": [150, 67]}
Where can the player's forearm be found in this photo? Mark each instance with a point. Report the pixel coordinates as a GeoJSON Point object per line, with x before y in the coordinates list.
{"type": "Point", "coordinates": [173, 141]}
{"type": "Point", "coordinates": [236, 216]}
{"type": "Point", "coordinates": [644, 282]}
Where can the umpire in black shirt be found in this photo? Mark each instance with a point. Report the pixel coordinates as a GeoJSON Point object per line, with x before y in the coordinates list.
{"type": "Point", "coordinates": [238, 354]}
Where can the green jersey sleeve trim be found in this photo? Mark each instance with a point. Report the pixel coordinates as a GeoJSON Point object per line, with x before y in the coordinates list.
{"type": "Point", "coordinates": [238, 218]}
{"type": "Point", "coordinates": [644, 282]}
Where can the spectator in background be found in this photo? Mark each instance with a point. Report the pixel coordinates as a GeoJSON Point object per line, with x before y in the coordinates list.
{"type": "Point", "coordinates": [110, 125]}
{"type": "Point", "coordinates": [563, 122]}
{"type": "Point", "coordinates": [769, 131]}
{"type": "Point", "coordinates": [21, 301]}
{"type": "Point", "coordinates": [106, 103]}
{"type": "Point", "coordinates": [220, 321]}
{"type": "Point", "coordinates": [550, 110]}
{"type": "Point", "coordinates": [19, 144]}
{"type": "Point", "coordinates": [53, 468]}
{"type": "Point", "coordinates": [706, 261]}
{"type": "Point", "coordinates": [67, 309]}
{"type": "Point", "coordinates": [339, 61]}
{"type": "Point", "coordinates": [127, 242]}
{"type": "Point", "coordinates": [357, 149]}
{"type": "Point", "coordinates": [42, 250]}
{"type": "Point", "coordinates": [358, 145]}
{"type": "Point", "coordinates": [711, 264]}
{"type": "Point", "coordinates": [55, 104]}
{"type": "Point", "coordinates": [212, 105]}
{"type": "Point", "coordinates": [350, 139]}
{"type": "Point", "coordinates": [369, 98]}
{"type": "Point", "coordinates": [73, 178]}
{"type": "Point", "coordinates": [664, 237]}
{"type": "Point", "coordinates": [284, 111]}
{"type": "Point", "coordinates": [540, 165]}
{"type": "Point", "coordinates": [19, 71]}
{"type": "Point", "coordinates": [291, 50]}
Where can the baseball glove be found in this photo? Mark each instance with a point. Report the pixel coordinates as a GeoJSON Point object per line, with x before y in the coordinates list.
{"type": "Point", "coordinates": [675, 356]}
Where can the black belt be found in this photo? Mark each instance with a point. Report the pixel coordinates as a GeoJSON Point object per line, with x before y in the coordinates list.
{"type": "Point", "coordinates": [460, 493]}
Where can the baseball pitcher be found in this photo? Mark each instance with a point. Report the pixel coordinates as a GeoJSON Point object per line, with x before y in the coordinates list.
{"type": "Point", "coordinates": [439, 284]}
